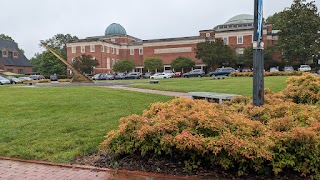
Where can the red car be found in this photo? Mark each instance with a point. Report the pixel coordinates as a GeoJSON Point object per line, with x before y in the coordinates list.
{"type": "Point", "coordinates": [177, 74]}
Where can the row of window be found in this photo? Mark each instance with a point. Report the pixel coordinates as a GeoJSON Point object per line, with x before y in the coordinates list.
{"type": "Point", "coordinates": [5, 53]}
{"type": "Point", "coordinates": [239, 40]}
{"type": "Point", "coordinates": [20, 71]}
{"type": "Point", "coordinates": [109, 50]}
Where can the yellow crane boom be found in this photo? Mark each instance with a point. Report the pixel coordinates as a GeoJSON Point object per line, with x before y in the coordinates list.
{"type": "Point", "coordinates": [77, 76]}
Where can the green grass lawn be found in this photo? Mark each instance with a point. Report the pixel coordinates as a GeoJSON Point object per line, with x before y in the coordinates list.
{"type": "Point", "coordinates": [59, 123]}
{"type": "Point", "coordinates": [230, 85]}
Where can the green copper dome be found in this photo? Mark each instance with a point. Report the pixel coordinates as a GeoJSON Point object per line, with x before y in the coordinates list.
{"type": "Point", "coordinates": [240, 19]}
{"type": "Point", "coordinates": [115, 29]}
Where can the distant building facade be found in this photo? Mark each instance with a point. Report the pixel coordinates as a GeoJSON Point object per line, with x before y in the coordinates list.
{"type": "Point", "coordinates": [116, 45]}
{"type": "Point", "coordinates": [12, 59]}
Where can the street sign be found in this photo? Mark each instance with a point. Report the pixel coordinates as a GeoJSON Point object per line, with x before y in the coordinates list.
{"type": "Point", "coordinates": [260, 22]}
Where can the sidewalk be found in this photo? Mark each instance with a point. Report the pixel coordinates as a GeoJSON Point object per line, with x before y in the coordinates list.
{"type": "Point", "coordinates": [16, 169]}
{"type": "Point", "coordinates": [167, 93]}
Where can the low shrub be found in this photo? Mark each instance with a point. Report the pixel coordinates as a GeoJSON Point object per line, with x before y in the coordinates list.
{"type": "Point", "coordinates": [304, 89]}
{"type": "Point", "coordinates": [43, 81]}
{"type": "Point", "coordinates": [234, 135]}
{"type": "Point", "coordinates": [280, 73]}
{"type": "Point", "coordinates": [64, 80]}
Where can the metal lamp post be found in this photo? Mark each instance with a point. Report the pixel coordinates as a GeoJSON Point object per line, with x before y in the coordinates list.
{"type": "Point", "coordinates": [258, 59]}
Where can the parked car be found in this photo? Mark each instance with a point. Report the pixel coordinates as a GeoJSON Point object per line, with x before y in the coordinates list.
{"type": "Point", "coordinates": [109, 77]}
{"type": "Point", "coordinates": [304, 68]}
{"type": "Point", "coordinates": [288, 68]}
{"type": "Point", "coordinates": [23, 79]}
{"type": "Point", "coordinates": [134, 75]}
{"type": "Point", "coordinates": [246, 70]}
{"type": "Point", "coordinates": [160, 76]}
{"type": "Point", "coordinates": [36, 77]}
{"type": "Point", "coordinates": [177, 74]}
{"type": "Point", "coordinates": [120, 76]}
{"type": "Point", "coordinates": [147, 75]}
{"type": "Point", "coordinates": [274, 69]}
{"type": "Point", "coordinates": [53, 77]}
{"type": "Point", "coordinates": [226, 71]}
{"type": "Point", "coordinates": [13, 80]}
{"type": "Point", "coordinates": [170, 72]}
{"type": "Point", "coordinates": [100, 76]}
{"type": "Point", "coordinates": [194, 73]}
{"type": "Point", "coordinates": [4, 81]}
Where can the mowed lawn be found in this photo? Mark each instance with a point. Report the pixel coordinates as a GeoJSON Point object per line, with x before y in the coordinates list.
{"type": "Point", "coordinates": [231, 85]}
{"type": "Point", "coordinates": [59, 123]}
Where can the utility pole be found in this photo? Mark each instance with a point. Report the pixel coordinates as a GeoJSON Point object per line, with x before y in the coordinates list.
{"type": "Point", "coordinates": [258, 59]}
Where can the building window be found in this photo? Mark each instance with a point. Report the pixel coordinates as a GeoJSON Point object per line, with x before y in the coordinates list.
{"type": "Point", "coordinates": [5, 53]}
{"type": "Point", "coordinates": [20, 71]}
{"type": "Point", "coordinates": [112, 50]}
{"type": "Point", "coordinates": [108, 49]}
{"type": "Point", "coordinates": [131, 51]}
{"type": "Point", "coordinates": [207, 34]}
{"type": "Point", "coordinates": [117, 51]}
{"type": "Point", "coordinates": [240, 40]}
{"type": "Point", "coordinates": [226, 40]}
{"type": "Point", "coordinates": [15, 54]}
{"type": "Point", "coordinates": [108, 63]}
{"type": "Point", "coordinates": [10, 70]}
{"type": "Point", "coordinates": [141, 51]}
{"type": "Point", "coordinates": [113, 62]}
{"type": "Point", "coordinates": [102, 48]}
{"type": "Point", "coordinates": [83, 49]}
{"type": "Point", "coordinates": [92, 48]}
{"type": "Point", "coordinates": [73, 49]}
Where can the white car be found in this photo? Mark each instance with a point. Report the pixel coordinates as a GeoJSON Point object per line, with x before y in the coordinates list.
{"type": "Point", "coordinates": [160, 76]}
{"type": "Point", "coordinates": [274, 69]}
{"type": "Point", "coordinates": [304, 68]}
{"type": "Point", "coordinates": [170, 72]}
{"type": "Point", "coordinates": [4, 81]}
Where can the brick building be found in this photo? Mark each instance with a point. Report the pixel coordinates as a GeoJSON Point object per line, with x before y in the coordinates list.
{"type": "Point", "coordinates": [12, 59]}
{"type": "Point", "coordinates": [116, 45]}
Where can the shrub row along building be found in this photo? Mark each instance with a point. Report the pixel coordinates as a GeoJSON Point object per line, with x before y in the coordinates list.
{"type": "Point", "coordinates": [116, 44]}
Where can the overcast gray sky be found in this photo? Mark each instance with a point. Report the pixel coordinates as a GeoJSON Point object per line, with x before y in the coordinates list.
{"type": "Point", "coordinates": [29, 21]}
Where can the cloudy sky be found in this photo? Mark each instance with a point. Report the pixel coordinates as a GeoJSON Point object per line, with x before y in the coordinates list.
{"type": "Point", "coordinates": [30, 21]}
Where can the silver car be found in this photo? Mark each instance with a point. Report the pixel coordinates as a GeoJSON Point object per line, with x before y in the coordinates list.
{"type": "Point", "coordinates": [4, 81]}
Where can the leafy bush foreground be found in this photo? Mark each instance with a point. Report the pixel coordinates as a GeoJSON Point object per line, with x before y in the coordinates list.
{"type": "Point", "coordinates": [281, 135]}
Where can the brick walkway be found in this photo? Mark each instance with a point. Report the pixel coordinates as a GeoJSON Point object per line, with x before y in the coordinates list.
{"type": "Point", "coordinates": [16, 169]}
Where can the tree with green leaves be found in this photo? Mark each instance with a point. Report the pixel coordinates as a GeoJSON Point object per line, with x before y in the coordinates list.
{"type": "Point", "coordinates": [275, 20]}
{"type": "Point", "coordinates": [85, 63]}
{"type": "Point", "coordinates": [299, 37]}
{"type": "Point", "coordinates": [6, 37]}
{"type": "Point", "coordinates": [182, 63]}
{"type": "Point", "coordinates": [46, 62]}
{"type": "Point", "coordinates": [215, 53]}
{"type": "Point", "coordinates": [123, 66]}
{"type": "Point", "coordinates": [153, 64]}
{"type": "Point", "coordinates": [269, 61]}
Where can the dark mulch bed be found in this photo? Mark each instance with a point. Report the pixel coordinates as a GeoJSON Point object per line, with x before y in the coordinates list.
{"type": "Point", "coordinates": [171, 165]}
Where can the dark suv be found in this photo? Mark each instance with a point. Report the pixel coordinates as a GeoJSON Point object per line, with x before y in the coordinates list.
{"type": "Point", "coordinates": [194, 73]}
{"type": "Point", "coordinates": [222, 71]}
